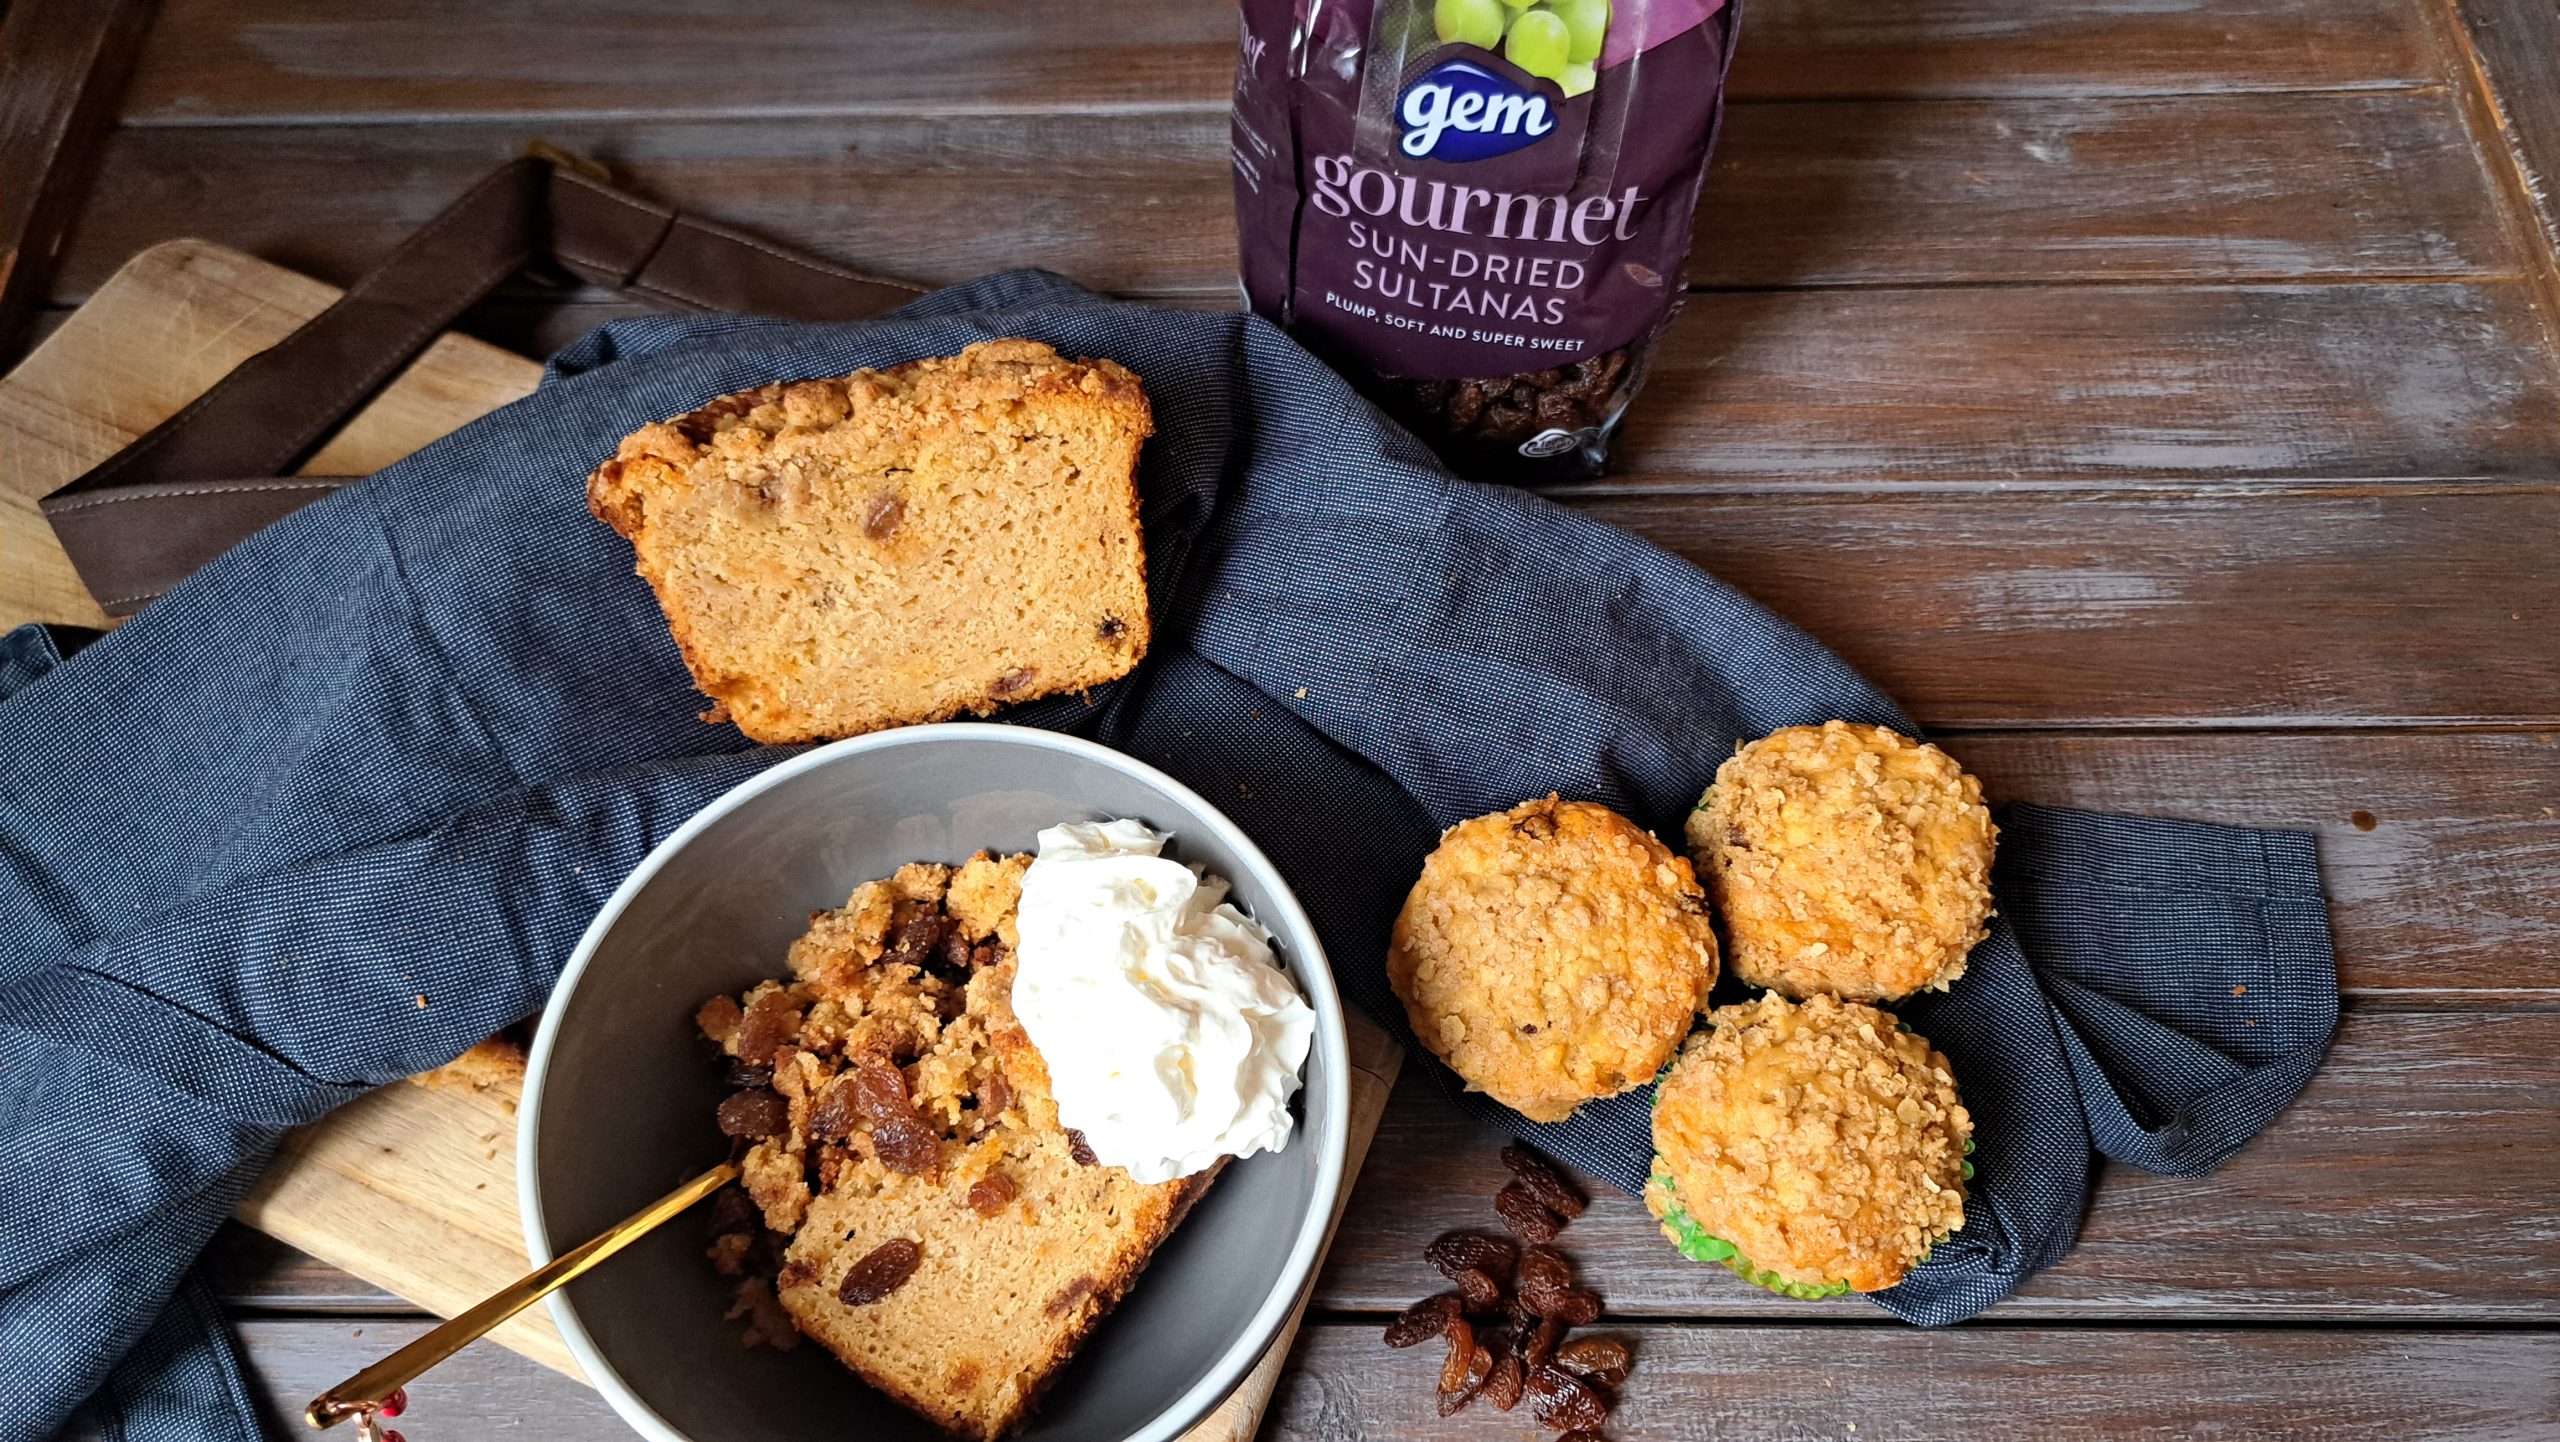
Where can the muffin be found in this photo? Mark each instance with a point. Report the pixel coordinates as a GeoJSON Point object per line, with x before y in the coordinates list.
{"type": "Point", "coordinates": [1551, 954]}
{"type": "Point", "coordinates": [1814, 1148]}
{"type": "Point", "coordinates": [1846, 860]}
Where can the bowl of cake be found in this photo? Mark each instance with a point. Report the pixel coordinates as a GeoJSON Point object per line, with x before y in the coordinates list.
{"type": "Point", "coordinates": [1033, 1069]}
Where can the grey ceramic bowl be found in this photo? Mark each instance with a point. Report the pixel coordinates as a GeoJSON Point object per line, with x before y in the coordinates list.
{"type": "Point", "coordinates": [620, 1094]}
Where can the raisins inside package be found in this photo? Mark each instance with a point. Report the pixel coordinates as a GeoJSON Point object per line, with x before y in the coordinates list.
{"type": "Point", "coordinates": [1479, 210]}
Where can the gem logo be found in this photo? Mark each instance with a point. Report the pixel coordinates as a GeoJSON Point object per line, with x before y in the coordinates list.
{"type": "Point", "coordinates": [1460, 111]}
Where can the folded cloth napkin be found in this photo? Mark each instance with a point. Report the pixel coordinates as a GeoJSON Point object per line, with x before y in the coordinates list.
{"type": "Point", "coordinates": [340, 805]}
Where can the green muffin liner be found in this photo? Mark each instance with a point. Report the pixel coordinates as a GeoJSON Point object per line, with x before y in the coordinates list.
{"type": "Point", "coordinates": [1697, 1245]}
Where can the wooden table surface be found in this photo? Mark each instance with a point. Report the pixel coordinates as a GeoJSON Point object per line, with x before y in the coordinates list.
{"type": "Point", "coordinates": [2161, 399]}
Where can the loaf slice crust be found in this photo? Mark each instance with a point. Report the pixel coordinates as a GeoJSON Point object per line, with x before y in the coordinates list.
{"type": "Point", "coordinates": [1023, 1242]}
{"type": "Point", "coordinates": [951, 535]}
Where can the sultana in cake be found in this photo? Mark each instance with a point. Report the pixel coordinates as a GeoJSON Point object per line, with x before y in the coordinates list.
{"type": "Point", "coordinates": [916, 1207]}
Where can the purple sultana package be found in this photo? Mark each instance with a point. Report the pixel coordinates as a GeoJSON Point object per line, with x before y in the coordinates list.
{"type": "Point", "coordinates": [1479, 210]}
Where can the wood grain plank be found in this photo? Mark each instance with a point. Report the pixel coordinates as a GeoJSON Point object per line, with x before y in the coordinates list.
{"type": "Point", "coordinates": [1888, 1383]}
{"type": "Point", "coordinates": [483, 1391]}
{"type": "Point", "coordinates": [219, 61]}
{"type": "Point", "coordinates": [2180, 607]}
{"type": "Point", "coordinates": [225, 61]}
{"type": "Point", "coordinates": [63, 65]}
{"type": "Point", "coordinates": [2223, 188]}
{"type": "Point", "coordinates": [2438, 852]}
{"type": "Point", "coordinates": [1995, 385]}
{"type": "Point", "coordinates": [2512, 50]}
{"type": "Point", "coordinates": [2411, 1182]}
{"type": "Point", "coordinates": [1794, 1384]}
{"type": "Point", "coordinates": [2503, 57]}
{"type": "Point", "coordinates": [2265, 187]}
{"type": "Point", "coordinates": [928, 200]}
{"type": "Point", "coordinates": [1799, 49]}
{"type": "Point", "coordinates": [2018, 389]}
{"type": "Point", "coordinates": [247, 1270]}
{"type": "Point", "coordinates": [2296, 608]}
{"type": "Point", "coordinates": [1977, 609]}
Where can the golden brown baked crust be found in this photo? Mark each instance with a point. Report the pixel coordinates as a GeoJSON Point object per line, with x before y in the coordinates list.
{"type": "Point", "coordinates": [1023, 1248]}
{"type": "Point", "coordinates": [496, 1064]}
{"type": "Point", "coordinates": [1551, 954]}
{"type": "Point", "coordinates": [1846, 859]}
{"type": "Point", "coordinates": [956, 534]}
{"type": "Point", "coordinates": [1821, 1140]}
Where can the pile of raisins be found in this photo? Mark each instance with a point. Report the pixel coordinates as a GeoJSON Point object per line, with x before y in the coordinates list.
{"type": "Point", "coordinates": [1479, 425]}
{"type": "Point", "coordinates": [1514, 1301]}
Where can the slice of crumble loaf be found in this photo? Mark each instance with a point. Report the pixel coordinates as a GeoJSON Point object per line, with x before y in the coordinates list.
{"type": "Point", "coordinates": [919, 1209]}
{"type": "Point", "coordinates": [836, 556]}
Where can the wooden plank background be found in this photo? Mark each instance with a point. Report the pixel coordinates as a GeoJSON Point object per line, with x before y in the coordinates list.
{"type": "Point", "coordinates": [2162, 400]}
{"type": "Point", "coordinates": [1763, 1382]}
{"type": "Point", "coordinates": [62, 64]}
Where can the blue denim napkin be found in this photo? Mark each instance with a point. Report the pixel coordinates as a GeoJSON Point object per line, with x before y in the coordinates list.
{"type": "Point", "coordinates": [405, 741]}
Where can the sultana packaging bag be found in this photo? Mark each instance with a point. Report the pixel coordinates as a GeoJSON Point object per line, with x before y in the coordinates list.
{"type": "Point", "coordinates": [1478, 210]}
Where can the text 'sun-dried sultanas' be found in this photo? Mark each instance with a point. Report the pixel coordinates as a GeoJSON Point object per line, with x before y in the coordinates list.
{"type": "Point", "coordinates": [1480, 1292]}
{"type": "Point", "coordinates": [907, 1145]}
{"type": "Point", "coordinates": [1502, 1385]}
{"type": "Point", "coordinates": [884, 1270]}
{"type": "Point", "coordinates": [754, 1114]}
{"type": "Point", "coordinates": [1563, 1401]}
{"type": "Point", "coordinates": [1604, 1360]}
{"type": "Point", "coordinates": [1424, 1320]}
{"type": "Point", "coordinates": [1472, 1251]}
{"type": "Point", "coordinates": [1543, 1181]}
{"type": "Point", "coordinates": [1461, 1356]}
{"type": "Point", "coordinates": [1526, 1216]}
{"type": "Point", "coordinates": [1481, 214]}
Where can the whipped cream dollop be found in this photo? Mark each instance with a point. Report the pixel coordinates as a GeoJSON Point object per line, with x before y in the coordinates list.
{"type": "Point", "coordinates": [1172, 1036]}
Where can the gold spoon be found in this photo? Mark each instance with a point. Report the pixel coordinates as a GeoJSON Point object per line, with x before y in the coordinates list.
{"type": "Point", "coordinates": [366, 1391]}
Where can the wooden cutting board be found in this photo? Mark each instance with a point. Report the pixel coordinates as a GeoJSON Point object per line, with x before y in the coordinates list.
{"type": "Point", "coordinates": [412, 1188]}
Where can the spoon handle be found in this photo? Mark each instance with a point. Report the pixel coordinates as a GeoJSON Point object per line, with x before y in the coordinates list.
{"type": "Point", "coordinates": [366, 1390]}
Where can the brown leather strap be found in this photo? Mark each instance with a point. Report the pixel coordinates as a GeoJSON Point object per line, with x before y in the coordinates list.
{"type": "Point", "coordinates": [207, 477]}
